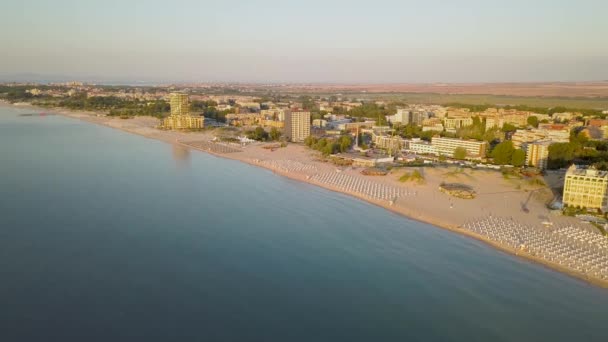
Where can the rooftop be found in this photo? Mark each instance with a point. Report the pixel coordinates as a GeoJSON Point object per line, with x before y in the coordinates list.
{"type": "Point", "coordinates": [588, 172]}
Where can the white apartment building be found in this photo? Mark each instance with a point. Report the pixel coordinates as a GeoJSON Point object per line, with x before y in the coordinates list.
{"type": "Point", "coordinates": [421, 147]}
{"type": "Point", "coordinates": [447, 146]}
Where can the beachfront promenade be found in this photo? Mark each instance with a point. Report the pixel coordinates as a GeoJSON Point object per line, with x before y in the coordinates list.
{"type": "Point", "coordinates": [571, 247]}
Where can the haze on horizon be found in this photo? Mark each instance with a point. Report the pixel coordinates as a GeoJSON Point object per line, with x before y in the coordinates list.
{"type": "Point", "coordinates": [382, 41]}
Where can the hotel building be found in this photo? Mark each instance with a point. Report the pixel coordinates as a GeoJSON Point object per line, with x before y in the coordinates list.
{"type": "Point", "coordinates": [421, 147]}
{"type": "Point", "coordinates": [586, 188]}
{"type": "Point", "coordinates": [447, 146]}
{"type": "Point", "coordinates": [452, 124]}
{"type": "Point", "coordinates": [180, 104]}
{"type": "Point", "coordinates": [297, 126]}
{"type": "Point", "coordinates": [390, 143]}
{"type": "Point", "coordinates": [272, 123]}
{"type": "Point", "coordinates": [554, 133]}
{"type": "Point", "coordinates": [537, 154]}
{"type": "Point", "coordinates": [180, 117]}
{"type": "Point", "coordinates": [274, 114]}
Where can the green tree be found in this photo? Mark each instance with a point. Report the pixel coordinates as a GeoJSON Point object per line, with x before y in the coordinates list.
{"type": "Point", "coordinates": [460, 153]}
{"type": "Point", "coordinates": [345, 142]}
{"type": "Point", "coordinates": [561, 154]}
{"type": "Point", "coordinates": [331, 148]}
{"type": "Point", "coordinates": [507, 127]}
{"type": "Point", "coordinates": [518, 158]}
{"type": "Point", "coordinates": [503, 153]}
{"type": "Point", "coordinates": [258, 134]}
{"type": "Point", "coordinates": [310, 141]}
{"type": "Point", "coordinates": [533, 121]}
{"type": "Point", "coordinates": [491, 135]}
{"type": "Point", "coordinates": [275, 134]}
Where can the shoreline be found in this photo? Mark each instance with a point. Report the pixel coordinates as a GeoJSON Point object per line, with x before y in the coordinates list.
{"type": "Point", "coordinates": [452, 228]}
{"type": "Point", "coordinates": [406, 211]}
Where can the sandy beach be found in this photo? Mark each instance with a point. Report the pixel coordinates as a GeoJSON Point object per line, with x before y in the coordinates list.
{"type": "Point", "coordinates": [496, 195]}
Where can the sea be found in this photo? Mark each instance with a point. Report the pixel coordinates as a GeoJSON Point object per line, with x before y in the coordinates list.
{"type": "Point", "coordinates": [110, 236]}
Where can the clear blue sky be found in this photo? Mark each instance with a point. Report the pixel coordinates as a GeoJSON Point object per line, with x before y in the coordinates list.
{"type": "Point", "coordinates": [307, 41]}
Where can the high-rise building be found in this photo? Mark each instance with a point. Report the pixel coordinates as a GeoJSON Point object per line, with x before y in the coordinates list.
{"type": "Point", "coordinates": [418, 117]}
{"type": "Point", "coordinates": [586, 188]}
{"type": "Point", "coordinates": [403, 116]}
{"type": "Point", "coordinates": [537, 154]}
{"type": "Point", "coordinates": [297, 125]}
{"type": "Point", "coordinates": [180, 117]}
{"type": "Point", "coordinates": [180, 105]}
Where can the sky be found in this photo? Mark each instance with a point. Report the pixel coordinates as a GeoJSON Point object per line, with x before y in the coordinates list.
{"type": "Point", "coordinates": [305, 41]}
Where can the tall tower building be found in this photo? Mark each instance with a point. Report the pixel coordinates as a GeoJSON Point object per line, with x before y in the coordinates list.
{"type": "Point", "coordinates": [180, 105]}
{"type": "Point", "coordinates": [180, 117]}
{"type": "Point", "coordinates": [297, 126]}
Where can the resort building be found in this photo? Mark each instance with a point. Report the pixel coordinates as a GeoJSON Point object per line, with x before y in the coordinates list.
{"type": "Point", "coordinates": [390, 143]}
{"type": "Point", "coordinates": [272, 123]}
{"type": "Point", "coordinates": [180, 105]}
{"type": "Point", "coordinates": [274, 114]}
{"type": "Point", "coordinates": [432, 124]}
{"type": "Point", "coordinates": [180, 117]}
{"type": "Point", "coordinates": [537, 154]}
{"type": "Point", "coordinates": [421, 147]}
{"type": "Point", "coordinates": [586, 188]}
{"type": "Point", "coordinates": [447, 146]}
{"type": "Point", "coordinates": [248, 119]}
{"type": "Point", "coordinates": [553, 133]}
{"type": "Point", "coordinates": [297, 126]}
{"type": "Point", "coordinates": [452, 124]}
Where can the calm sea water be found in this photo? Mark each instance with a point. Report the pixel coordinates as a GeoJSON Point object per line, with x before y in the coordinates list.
{"type": "Point", "coordinates": [108, 236]}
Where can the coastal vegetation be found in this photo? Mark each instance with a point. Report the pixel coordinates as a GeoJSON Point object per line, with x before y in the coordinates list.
{"type": "Point", "coordinates": [260, 134]}
{"type": "Point", "coordinates": [578, 150]}
{"type": "Point", "coordinates": [329, 146]}
{"type": "Point", "coordinates": [460, 153]}
{"type": "Point", "coordinates": [505, 154]}
{"type": "Point", "coordinates": [458, 190]}
{"type": "Point", "coordinates": [209, 110]}
{"type": "Point", "coordinates": [413, 176]}
{"type": "Point", "coordinates": [540, 109]}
